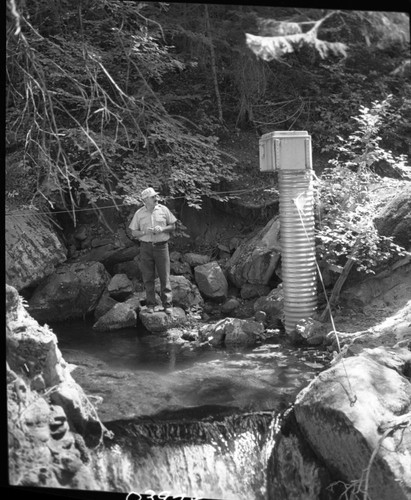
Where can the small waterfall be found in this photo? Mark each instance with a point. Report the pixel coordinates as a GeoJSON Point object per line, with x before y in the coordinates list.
{"type": "Point", "coordinates": [219, 459]}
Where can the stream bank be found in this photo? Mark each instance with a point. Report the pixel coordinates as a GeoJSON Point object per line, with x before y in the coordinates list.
{"type": "Point", "coordinates": [260, 434]}
{"type": "Point", "coordinates": [362, 306]}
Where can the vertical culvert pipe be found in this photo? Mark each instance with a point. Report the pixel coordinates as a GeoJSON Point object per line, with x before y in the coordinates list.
{"type": "Point", "coordinates": [289, 153]}
{"type": "Point", "coordinates": [298, 266]}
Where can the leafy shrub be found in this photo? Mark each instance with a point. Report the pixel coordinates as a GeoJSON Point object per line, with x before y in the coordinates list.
{"type": "Point", "coordinates": [345, 227]}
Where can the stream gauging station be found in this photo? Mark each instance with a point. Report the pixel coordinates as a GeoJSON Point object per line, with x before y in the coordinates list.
{"type": "Point", "coordinates": [289, 153]}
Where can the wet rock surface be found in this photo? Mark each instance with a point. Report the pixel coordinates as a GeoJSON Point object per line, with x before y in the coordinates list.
{"type": "Point", "coordinates": [358, 410]}
{"type": "Point", "coordinates": [47, 411]}
{"type": "Point", "coordinates": [361, 408]}
{"type": "Point", "coordinates": [160, 321]}
{"type": "Point", "coordinates": [33, 250]}
{"type": "Point", "coordinates": [71, 292]}
{"type": "Point", "coordinates": [121, 315]}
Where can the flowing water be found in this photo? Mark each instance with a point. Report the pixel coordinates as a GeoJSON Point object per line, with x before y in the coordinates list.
{"type": "Point", "coordinates": [219, 460]}
{"type": "Point", "coordinates": [213, 450]}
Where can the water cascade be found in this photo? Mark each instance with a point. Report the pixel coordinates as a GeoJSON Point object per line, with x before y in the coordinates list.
{"type": "Point", "coordinates": [208, 424]}
{"type": "Point", "coordinates": [220, 459]}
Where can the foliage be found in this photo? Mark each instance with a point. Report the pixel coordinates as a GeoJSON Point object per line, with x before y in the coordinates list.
{"type": "Point", "coordinates": [301, 90]}
{"type": "Point", "coordinates": [345, 205]}
{"type": "Point", "coordinates": [289, 37]}
{"type": "Point", "coordinates": [363, 148]}
{"type": "Point", "coordinates": [106, 97]}
{"type": "Point", "coordinates": [84, 134]}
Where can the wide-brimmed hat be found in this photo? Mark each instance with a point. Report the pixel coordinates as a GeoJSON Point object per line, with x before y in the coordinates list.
{"type": "Point", "coordinates": [147, 193]}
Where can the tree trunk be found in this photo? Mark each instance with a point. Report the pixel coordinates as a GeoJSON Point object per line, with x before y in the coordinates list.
{"type": "Point", "coordinates": [213, 65]}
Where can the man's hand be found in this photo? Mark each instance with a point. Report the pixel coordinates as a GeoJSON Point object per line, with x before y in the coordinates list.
{"type": "Point", "coordinates": [157, 229]}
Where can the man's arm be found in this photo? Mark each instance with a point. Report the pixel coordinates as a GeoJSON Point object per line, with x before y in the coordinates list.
{"type": "Point", "coordinates": [136, 233]}
{"type": "Point", "coordinates": [166, 229]}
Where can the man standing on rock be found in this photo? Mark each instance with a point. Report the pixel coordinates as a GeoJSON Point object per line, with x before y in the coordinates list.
{"type": "Point", "coordinates": [152, 225]}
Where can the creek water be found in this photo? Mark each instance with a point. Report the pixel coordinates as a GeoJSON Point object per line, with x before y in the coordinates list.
{"type": "Point", "coordinates": [219, 447]}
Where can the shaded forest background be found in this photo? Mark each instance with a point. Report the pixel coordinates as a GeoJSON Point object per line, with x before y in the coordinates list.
{"type": "Point", "coordinates": [105, 97]}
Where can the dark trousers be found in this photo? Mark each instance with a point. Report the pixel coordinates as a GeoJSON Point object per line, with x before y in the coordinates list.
{"type": "Point", "coordinates": [152, 258]}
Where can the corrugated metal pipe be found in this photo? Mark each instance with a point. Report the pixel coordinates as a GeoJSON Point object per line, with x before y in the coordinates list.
{"type": "Point", "coordinates": [298, 267]}
{"type": "Point", "coordinates": [289, 153]}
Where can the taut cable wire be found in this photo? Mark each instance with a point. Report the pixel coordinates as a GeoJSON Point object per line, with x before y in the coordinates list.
{"type": "Point", "coordinates": [233, 192]}
{"type": "Point", "coordinates": [352, 397]}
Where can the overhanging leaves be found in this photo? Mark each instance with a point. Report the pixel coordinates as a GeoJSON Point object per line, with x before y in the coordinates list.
{"type": "Point", "coordinates": [289, 38]}
{"type": "Point", "coordinates": [269, 48]}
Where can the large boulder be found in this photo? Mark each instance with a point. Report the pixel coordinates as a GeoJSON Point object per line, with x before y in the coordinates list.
{"type": "Point", "coordinates": [256, 259]}
{"type": "Point", "coordinates": [106, 242]}
{"type": "Point", "coordinates": [232, 332]}
{"type": "Point", "coordinates": [33, 249]}
{"type": "Point", "coordinates": [159, 321]}
{"type": "Point", "coordinates": [121, 315]}
{"type": "Point", "coordinates": [104, 305]}
{"type": "Point", "coordinates": [71, 292]}
{"type": "Point", "coordinates": [48, 411]}
{"type": "Point", "coordinates": [131, 268]}
{"type": "Point", "coordinates": [195, 259]}
{"type": "Point", "coordinates": [43, 449]}
{"type": "Point", "coordinates": [242, 332]}
{"type": "Point", "coordinates": [120, 287]}
{"type": "Point", "coordinates": [110, 316]}
{"type": "Point", "coordinates": [389, 287]}
{"type": "Point", "coordinates": [211, 281]}
{"type": "Point", "coordinates": [110, 251]}
{"type": "Point", "coordinates": [356, 418]}
{"type": "Point", "coordinates": [122, 255]}
{"type": "Point", "coordinates": [185, 293]}
{"type": "Point", "coordinates": [32, 349]}
{"type": "Point", "coordinates": [97, 254]}
{"type": "Point", "coordinates": [393, 219]}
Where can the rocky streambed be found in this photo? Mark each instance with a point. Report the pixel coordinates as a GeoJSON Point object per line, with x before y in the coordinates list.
{"type": "Point", "coordinates": [225, 383]}
{"type": "Point", "coordinates": [212, 416]}
{"type": "Point", "coordinates": [186, 418]}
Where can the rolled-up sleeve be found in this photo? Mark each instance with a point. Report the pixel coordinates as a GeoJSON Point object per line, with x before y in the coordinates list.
{"type": "Point", "coordinates": [135, 223]}
{"type": "Point", "coordinates": [170, 217]}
